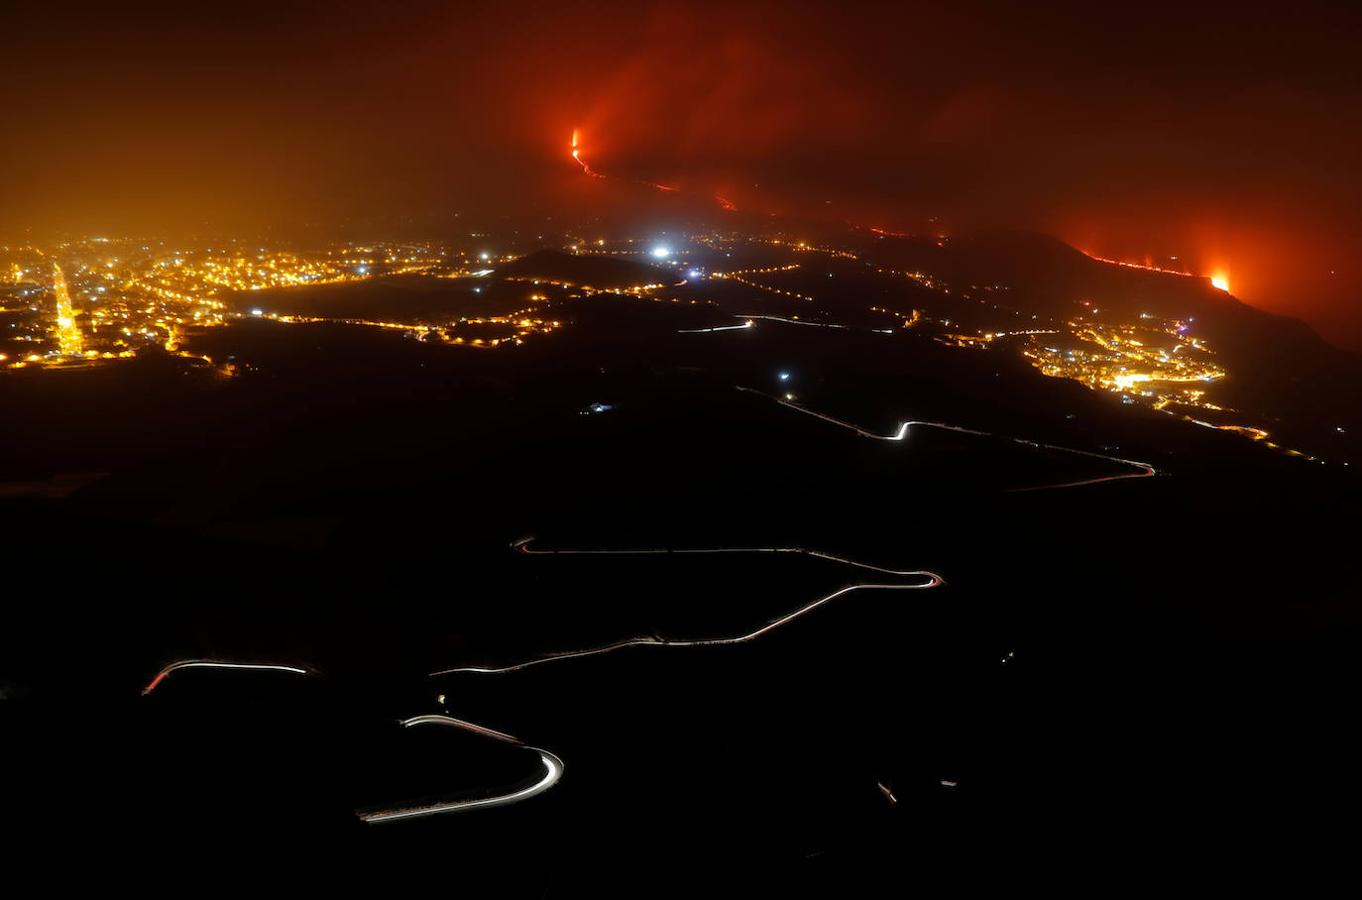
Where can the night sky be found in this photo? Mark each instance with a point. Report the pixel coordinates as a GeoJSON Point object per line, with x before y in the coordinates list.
{"type": "Point", "coordinates": [1226, 136]}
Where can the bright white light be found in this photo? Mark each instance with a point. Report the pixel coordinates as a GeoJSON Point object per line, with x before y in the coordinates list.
{"type": "Point", "coordinates": [662, 251]}
{"type": "Point", "coordinates": [784, 376]}
{"type": "Point", "coordinates": [695, 273]}
{"type": "Point", "coordinates": [257, 312]}
{"type": "Point", "coordinates": [363, 270]}
{"type": "Point", "coordinates": [484, 256]}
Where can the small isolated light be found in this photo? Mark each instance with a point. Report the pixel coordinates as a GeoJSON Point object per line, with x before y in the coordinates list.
{"type": "Point", "coordinates": [484, 256]}
{"type": "Point", "coordinates": [695, 273]}
{"type": "Point", "coordinates": [784, 376]}
{"type": "Point", "coordinates": [257, 312]}
{"type": "Point", "coordinates": [661, 251]}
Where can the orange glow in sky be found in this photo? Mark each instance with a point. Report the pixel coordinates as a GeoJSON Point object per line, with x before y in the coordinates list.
{"type": "Point", "coordinates": [1222, 281]}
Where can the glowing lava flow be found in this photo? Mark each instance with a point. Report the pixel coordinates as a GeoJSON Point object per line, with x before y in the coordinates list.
{"type": "Point", "coordinates": [1130, 265]}
{"type": "Point", "coordinates": [577, 156]}
{"type": "Point", "coordinates": [1219, 279]}
{"type": "Point", "coordinates": [657, 186]}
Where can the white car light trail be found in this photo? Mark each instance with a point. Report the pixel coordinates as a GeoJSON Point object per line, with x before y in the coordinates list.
{"type": "Point", "coordinates": [928, 580]}
{"type": "Point", "coordinates": [744, 325]}
{"type": "Point", "coordinates": [1145, 469]}
{"type": "Point", "coordinates": [553, 771]}
{"type": "Point", "coordinates": [215, 664]}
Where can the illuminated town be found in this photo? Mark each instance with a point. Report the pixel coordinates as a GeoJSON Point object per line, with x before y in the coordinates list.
{"type": "Point", "coordinates": [116, 298]}
{"type": "Point", "coordinates": [100, 300]}
{"type": "Point", "coordinates": [1156, 360]}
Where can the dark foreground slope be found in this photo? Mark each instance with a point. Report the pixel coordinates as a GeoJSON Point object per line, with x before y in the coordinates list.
{"type": "Point", "coordinates": [1116, 681]}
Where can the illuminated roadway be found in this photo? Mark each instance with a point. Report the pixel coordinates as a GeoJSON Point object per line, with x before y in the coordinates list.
{"type": "Point", "coordinates": [217, 664]}
{"type": "Point", "coordinates": [901, 433]}
{"type": "Point", "coordinates": [553, 771]}
{"type": "Point", "coordinates": [927, 580]}
{"type": "Point", "coordinates": [799, 322]}
{"type": "Point", "coordinates": [748, 324]}
{"type": "Point", "coordinates": [553, 766]}
{"type": "Point", "coordinates": [69, 339]}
